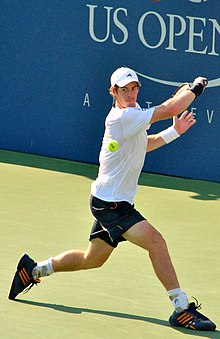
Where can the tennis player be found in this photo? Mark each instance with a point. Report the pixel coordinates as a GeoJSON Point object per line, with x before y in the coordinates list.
{"type": "Point", "coordinates": [112, 195]}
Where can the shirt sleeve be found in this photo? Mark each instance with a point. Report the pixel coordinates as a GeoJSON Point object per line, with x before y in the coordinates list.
{"type": "Point", "coordinates": [135, 120]}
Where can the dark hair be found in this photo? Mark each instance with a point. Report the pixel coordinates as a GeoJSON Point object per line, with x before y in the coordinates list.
{"type": "Point", "coordinates": [116, 87]}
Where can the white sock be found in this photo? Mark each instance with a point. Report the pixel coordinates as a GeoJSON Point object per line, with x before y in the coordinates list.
{"type": "Point", "coordinates": [179, 299]}
{"type": "Point", "coordinates": [43, 269]}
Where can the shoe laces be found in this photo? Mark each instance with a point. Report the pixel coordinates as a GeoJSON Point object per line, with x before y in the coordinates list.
{"type": "Point", "coordinates": [33, 282]}
{"type": "Point", "coordinates": [193, 307]}
{"type": "Point", "coordinates": [197, 305]}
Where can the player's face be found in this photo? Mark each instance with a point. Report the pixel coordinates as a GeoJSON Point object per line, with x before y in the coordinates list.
{"type": "Point", "coordinates": [127, 96]}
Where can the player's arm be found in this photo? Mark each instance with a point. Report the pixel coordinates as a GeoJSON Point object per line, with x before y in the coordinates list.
{"type": "Point", "coordinates": [154, 141]}
{"type": "Point", "coordinates": [182, 98]}
{"type": "Point", "coordinates": [179, 127]}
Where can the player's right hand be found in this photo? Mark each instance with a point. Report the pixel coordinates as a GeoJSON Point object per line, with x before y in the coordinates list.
{"type": "Point", "coordinates": [201, 80]}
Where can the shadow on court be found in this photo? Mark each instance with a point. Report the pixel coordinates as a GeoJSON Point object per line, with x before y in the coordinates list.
{"type": "Point", "coordinates": [202, 190]}
{"type": "Point", "coordinates": [80, 310]}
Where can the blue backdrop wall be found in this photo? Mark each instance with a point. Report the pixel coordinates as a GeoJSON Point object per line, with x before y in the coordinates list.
{"type": "Point", "coordinates": [57, 58]}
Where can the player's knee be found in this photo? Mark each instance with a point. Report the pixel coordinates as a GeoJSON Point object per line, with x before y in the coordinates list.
{"type": "Point", "coordinates": [157, 240]}
{"type": "Point", "coordinates": [93, 263]}
{"type": "Point", "coordinates": [98, 263]}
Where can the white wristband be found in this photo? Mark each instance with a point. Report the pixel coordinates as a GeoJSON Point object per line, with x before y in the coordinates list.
{"type": "Point", "coordinates": [169, 134]}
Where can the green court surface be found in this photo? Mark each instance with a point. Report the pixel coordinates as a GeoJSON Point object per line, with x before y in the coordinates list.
{"type": "Point", "coordinates": [45, 210]}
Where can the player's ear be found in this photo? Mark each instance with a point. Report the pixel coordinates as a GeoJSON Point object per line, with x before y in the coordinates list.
{"type": "Point", "coordinates": [112, 91]}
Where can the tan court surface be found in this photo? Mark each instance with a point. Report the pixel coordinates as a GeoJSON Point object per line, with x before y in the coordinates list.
{"type": "Point", "coordinates": [45, 211]}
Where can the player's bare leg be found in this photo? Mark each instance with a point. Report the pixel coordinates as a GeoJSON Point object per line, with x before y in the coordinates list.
{"type": "Point", "coordinates": [146, 236]}
{"type": "Point", "coordinates": [29, 271]}
{"type": "Point", "coordinates": [74, 260]}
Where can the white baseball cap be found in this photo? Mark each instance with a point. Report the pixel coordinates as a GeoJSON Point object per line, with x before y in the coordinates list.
{"type": "Point", "coordinates": [123, 76]}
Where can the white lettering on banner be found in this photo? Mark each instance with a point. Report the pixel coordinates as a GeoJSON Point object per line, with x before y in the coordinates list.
{"type": "Point", "coordinates": [210, 115]}
{"type": "Point", "coordinates": [193, 110]}
{"type": "Point", "coordinates": [120, 26]}
{"type": "Point", "coordinates": [86, 101]}
{"type": "Point", "coordinates": [193, 34]}
{"type": "Point", "coordinates": [108, 17]}
{"type": "Point", "coordinates": [162, 30]}
{"type": "Point", "coordinates": [92, 23]}
{"type": "Point", "coordinates": [172, 30]}
{"type": "Point", "coordinates": [196, 31]}
{"type": "Point", "coordinates": [149, 104]}
{"type": "Point", "coordinates": [216, 26]}
{"type": "Point", "coordinates": [210, 30]}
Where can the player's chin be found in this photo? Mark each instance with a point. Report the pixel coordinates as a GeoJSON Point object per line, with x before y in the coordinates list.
{"type": "Point", "coordinates": [130, 104]}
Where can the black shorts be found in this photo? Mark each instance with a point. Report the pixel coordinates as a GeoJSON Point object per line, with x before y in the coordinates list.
{"type": "Point", "coordinates": [112, 220]}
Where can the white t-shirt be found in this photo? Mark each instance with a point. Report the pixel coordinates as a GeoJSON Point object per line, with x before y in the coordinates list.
{"type": "Point", "coordinates": [119, 171]}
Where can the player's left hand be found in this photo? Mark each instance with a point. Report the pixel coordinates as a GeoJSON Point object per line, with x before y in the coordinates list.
{"type": "Point", "coordinates": [184, 122]}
